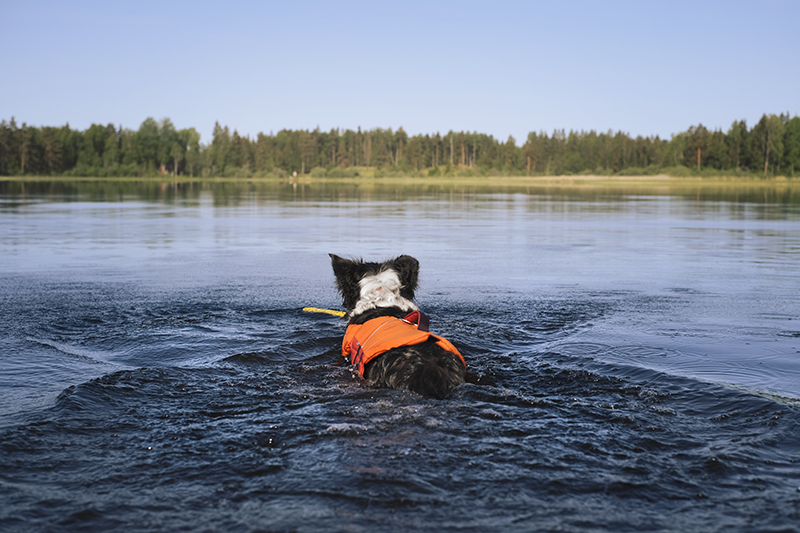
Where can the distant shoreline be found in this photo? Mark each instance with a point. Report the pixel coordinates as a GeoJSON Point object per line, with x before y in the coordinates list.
{"type": "Point", "coordinates": [770, 148]}
{"type": "Point", "coordinates": [439, 180]}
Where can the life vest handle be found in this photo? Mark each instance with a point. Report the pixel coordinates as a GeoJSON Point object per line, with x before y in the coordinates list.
{"type": "Point", "coordinates": [420, 319]}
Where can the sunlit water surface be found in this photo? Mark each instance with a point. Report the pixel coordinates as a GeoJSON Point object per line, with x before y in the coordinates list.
{"type": "Point", "coordinates": [634, 357]}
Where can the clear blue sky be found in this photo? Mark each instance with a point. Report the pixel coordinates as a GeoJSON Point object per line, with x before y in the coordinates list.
{"type": "Point", "coordinates": [645, 67]}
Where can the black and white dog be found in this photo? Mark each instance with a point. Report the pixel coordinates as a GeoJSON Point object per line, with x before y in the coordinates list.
{"type": "Point", "coordinates": [387, 336]}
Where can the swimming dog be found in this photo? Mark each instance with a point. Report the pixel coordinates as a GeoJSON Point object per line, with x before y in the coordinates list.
{"type": "Point", "coordinates": [387, 336]}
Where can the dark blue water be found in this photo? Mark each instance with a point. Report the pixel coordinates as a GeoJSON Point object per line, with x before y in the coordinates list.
{"type": "Point", "coordinates": [634, 359]}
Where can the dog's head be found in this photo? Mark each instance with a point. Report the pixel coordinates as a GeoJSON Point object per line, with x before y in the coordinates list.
{"type": "Point", "coordinates": [366, 285]}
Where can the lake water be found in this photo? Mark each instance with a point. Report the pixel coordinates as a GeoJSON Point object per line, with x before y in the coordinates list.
{"type": "Point", "coordinates": [634, 356]}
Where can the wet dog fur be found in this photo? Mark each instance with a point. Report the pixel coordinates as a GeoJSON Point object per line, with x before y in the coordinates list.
{"type": "Point", "coordinates": [371, 290]}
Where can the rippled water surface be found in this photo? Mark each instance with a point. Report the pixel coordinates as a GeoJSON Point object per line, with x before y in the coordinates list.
{"type": "Point", "coordinates": [634, 356]}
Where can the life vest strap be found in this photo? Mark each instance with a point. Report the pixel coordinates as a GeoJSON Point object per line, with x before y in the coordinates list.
{"type": "Point", "coordinates": [357, 347]}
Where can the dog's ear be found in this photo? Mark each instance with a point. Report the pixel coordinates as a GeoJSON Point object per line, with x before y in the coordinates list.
{"type": "Point", "coordinates": [347, 274]}
{"type": "Point", "coordinates": [407, 269]}
{"type": "Point", "coordinates": [341, 266]}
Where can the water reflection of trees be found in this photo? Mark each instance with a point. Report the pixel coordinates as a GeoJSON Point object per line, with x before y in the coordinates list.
{"type": "Point", "coordinates": [233, 192]}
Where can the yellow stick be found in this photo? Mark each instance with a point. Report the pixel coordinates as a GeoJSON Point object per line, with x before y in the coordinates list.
{"type": "Point", "coordinates": [329, 311]}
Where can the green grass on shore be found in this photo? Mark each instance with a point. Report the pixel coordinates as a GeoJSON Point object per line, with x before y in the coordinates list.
{"type": "Point", "coordinates": [366, 177]}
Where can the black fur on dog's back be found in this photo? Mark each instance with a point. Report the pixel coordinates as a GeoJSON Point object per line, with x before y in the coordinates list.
{"type": "Point", "coordinates": [424, 368]}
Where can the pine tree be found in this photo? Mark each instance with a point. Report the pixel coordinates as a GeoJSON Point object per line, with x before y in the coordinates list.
{"type": "Point", "coordinates": [791, 146]}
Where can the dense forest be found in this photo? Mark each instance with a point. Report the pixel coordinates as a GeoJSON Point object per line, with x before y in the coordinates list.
{"type": "Point", "coordinates": [771, 147]}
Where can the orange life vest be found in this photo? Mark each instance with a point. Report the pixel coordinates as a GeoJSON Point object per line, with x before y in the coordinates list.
{"type": "Point", "coordinates": [364, 342]}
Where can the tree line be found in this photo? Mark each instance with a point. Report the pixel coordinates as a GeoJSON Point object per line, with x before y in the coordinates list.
{"type": "Point", "coordinates": [771, 147]}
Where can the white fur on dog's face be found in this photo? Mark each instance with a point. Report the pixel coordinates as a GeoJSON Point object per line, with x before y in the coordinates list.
{"type": "Point", "coordinates": [382, 290]}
